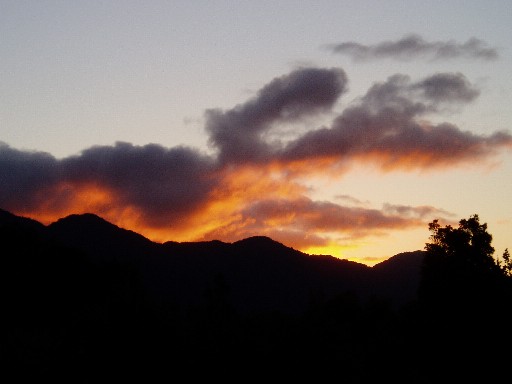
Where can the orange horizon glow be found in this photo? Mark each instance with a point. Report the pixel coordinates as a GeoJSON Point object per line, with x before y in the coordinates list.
{"type": "Point", "coordinates": [249, 201]}
{"type": "Point", "coordinates": [162, 235]}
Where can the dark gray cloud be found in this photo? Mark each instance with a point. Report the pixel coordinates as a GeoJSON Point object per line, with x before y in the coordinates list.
{"type": "Point", "coordinates": [387, 126]}
{"type": "Point", "coordinates": [236, 133]}
{"type": "Point", "coordinates": [25, 176]}
{"type": "Point", "coordinates": [414, 46]}
{"type": "Point", "coordinates": [163, 183]}
{"type": "Point", "coordinates": [440, 90]}
{"type": "Point", "coordinates": [447, 87]}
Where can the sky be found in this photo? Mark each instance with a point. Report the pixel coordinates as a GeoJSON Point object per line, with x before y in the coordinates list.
{"type": "Point", "coordinates": [333, 127]}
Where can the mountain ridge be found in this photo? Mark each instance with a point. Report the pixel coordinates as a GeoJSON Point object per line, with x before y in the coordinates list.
{"type": "Point", "coordinates": [91, 220]}
{"type": "Point", "coordinates": [263, 274]}
{"type": "Point", "coordinates": [105, 299]}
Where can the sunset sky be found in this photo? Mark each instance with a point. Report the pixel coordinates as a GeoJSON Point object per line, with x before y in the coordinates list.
{"type": "Point", "coordinates": [334, 127]}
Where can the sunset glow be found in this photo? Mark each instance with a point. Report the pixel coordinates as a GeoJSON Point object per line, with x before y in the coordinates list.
{"type": "Point", "coordinates": [298, 123]}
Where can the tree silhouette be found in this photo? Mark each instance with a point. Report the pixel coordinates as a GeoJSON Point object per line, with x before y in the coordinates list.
{"type": "Point", "coordinates": [464, 293]}
{"type": "Point", "coordinates": [459, 263]}
{"type": "Point", "coordinates": [506, 263]}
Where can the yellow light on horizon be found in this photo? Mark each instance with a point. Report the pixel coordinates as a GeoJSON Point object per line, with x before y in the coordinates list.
{"type": "Point", "coordinates": [331, 249]}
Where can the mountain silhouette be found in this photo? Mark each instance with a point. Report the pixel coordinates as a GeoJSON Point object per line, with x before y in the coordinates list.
{"type": "Point", "coordinates": [101, 240]}
{"type": "Point", "coordinates": [7, 219]}
{"type": "Point", "coordinates": [262, 274]}
{"type": "Point", "coordinates": [84, 295]}
{"type": "Point", "coordinates": [86, 301]}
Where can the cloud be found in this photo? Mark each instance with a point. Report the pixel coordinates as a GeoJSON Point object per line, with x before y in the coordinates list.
{"type": "Point", "coordinates": [425, 211]}
{"type": "Point", "coordinates": [388, 127]}
{"type": "Point", "coordinates": [351, 200]}
{"type": "Point", "coordinates": [324, 216]}
{"type": "Point", "coordinates": [25, 176]}
{"type": "Point", "coordinates": [237, 133]}
{"type": "Point", "coordinates": [414, 46]}
{"type": "Point", "coordinates": [313, 223]}
{"type": "Point", "coordinates": [163, 185]}
{"type": "Point", "coordinates": [254, 186]}
{"type": "Point", "coordinates": [447, 87]}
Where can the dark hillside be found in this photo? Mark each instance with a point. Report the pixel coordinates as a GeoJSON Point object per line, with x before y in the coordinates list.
{"type": "Point", "coordinates": [398, 277]}
{"type": "Point", "coordinates": [88, 301]}
{"type": "Point", "coordinates": [101, 240]}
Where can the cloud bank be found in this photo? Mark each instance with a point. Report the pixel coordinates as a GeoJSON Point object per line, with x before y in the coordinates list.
{"type": "Point", "coordinates": [413, 47]}
{"type": "Point", "coordinates": [253, 185]}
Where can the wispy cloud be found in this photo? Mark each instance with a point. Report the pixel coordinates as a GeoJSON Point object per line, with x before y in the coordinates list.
{"type": "Point", "coordinates": [414, 46]}
{"type": "Point", "coordinates": [253, 186]}
{"type": "Point", "coordinates": [351, 200]}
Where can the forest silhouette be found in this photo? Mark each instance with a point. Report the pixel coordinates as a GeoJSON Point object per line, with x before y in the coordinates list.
{"type": "Point", "coordinates": [85, 301]}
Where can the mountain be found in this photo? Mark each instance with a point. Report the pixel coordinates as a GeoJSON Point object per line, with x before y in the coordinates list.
{"type": "Point", "coordinates": [88, 301]}
{"type": "Point", "coordinates": [398, 276]}
{"type": "Point", "coordinates": [7, 219]}
{"type": "Point", "coordinates": [101, 240]}
{"type": "Point", "coordinates": [261, 274]}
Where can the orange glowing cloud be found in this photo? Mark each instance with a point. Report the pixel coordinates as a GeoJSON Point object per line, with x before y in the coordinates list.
{"type": "Point", "coordinates": [255, 183]}
{"type": "Point", "coordinates": [64, 198]}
